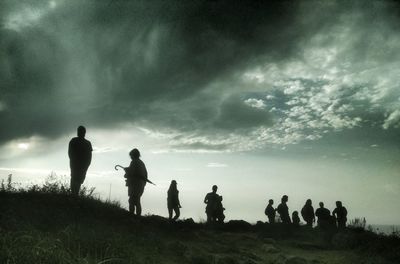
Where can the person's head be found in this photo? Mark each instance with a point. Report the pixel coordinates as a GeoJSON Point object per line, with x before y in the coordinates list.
{"type": "Point", "coordinates": [81, 131]}
{"type": "Point", "coordinates": [321, 204]}
{"type": "Point", "coordinates": [134, 154]}
{"type": "Point", "coordinates": [214, 188]}
{"type": "Point", "coordinates": [173, 184]}
{"type": "Point", "coordinates": [284, 199]}
{"type": "Point", "coordinates": [271, 202]}
{"type": "Point", "coordinates": [309, 202]}
{"type": "Point", "coordinates": [338, 204]}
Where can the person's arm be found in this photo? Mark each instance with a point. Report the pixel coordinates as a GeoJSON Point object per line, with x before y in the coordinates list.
{"type": "Point", "coordinates": [177, 199]}
{"type": "Point", "coordinates": [70, 149]}
{"type": "Point", "coordinates": [90, 154]}
{"type": "Point", "coordinates": [144, 172]}
{"type": "Point", "coordinates": [129, 170]}
{"type": "Point", "coordinates": [206, 199]}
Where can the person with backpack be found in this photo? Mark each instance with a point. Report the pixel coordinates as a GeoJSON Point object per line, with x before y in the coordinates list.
{"type": "Point", "coordinates": [270, 212]}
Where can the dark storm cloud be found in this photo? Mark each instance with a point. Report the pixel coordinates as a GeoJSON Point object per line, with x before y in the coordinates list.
{"type": "Point", "coordinates": [113, 61]}
{"type": "Point", "coordinates": [169, 65]}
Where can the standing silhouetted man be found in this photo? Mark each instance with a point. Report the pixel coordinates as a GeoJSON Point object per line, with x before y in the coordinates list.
{"type": "Point", "coordinates": [80, 156]}
{"type": "Point", "coordinates": [307, 212]}
{"type": "Point", "coordinates": [136, 181]}
{"type": "Point", "coordinates": [340, 212]}
{"type": "Point", "coordinates": [283, 210]}
{"type": "Point", "coordinates": [212, 199]}
{"type": "Point", "coordinates": [270, 212]}
{"type": "Point", "coordinates": [323, 215]}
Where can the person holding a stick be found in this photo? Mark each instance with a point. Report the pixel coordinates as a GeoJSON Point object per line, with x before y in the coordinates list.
{"type": "Point", "coordinates": [136, 178]}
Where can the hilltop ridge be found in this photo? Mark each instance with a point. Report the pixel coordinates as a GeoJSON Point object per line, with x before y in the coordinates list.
{"type": "Point", "coordinates": [54, 227]}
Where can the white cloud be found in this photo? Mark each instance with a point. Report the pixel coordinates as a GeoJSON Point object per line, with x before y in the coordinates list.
{"type": "Point", "coordinates": [392, 120]}
{"type": "Point", "coordinates": [256, 103]}
{"type": "Point", "coordinates": [23, 146]}
{"type": "Point", "coordinates": [103, 149]}
{"type": "Point", "coordinates": [216, 165]}
{"type": "Point", "coordinates": [23, 18]}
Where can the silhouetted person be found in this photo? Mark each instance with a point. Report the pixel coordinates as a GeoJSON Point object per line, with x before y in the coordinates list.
{"type": "Point", "coordinates": [270, 212]}
{"type": "Point", "coordinates": [80, 157]}
{"type": "Point", "coordinates": [296, 218]}
{"type": "Point", "coordinates": [283, 210]}
{"type": "Point", "coordinates": [211, 200]}
{"type": "Point", "coordinates": [219, 210]}
{"type": "Point", "coordinates": [340, 212]}
{"type": "Point", "coordinates": [307, 212]}
{"type": "Point", "coordinates": [323, 215]}
{"type": "Point", "coordinates": [173, 201]}
{"type": "Point", "coordinates": [136, 175]}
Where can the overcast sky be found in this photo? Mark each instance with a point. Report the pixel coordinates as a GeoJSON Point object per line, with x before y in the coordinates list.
{"type": "Point", "coordinates": [263, 99]}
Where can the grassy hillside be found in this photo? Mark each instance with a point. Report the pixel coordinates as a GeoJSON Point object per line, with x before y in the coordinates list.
{"type": "Point", "coordinates": [47, 225]}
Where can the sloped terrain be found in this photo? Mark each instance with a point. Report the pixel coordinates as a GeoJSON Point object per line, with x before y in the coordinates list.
{"type": "Point", "coordinates": [38, 227]}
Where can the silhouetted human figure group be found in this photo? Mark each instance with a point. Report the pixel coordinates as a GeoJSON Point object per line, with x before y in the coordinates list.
{"type": "Point", "coordinates": [325, 220]}
{"type": "Point", "coordinates": [214, 208]}
{"type": "Point", "coordinates": [80, 155]}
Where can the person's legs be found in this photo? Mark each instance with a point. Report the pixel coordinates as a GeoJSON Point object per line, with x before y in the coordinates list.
{"type": "Point", "coordinates": [208, 217]}
{"type": "Point", "coordinates": [131, 200]}
{"type": "Point", "coordinates": [177, 212]}
{"type": "Point", "coordinates": [341, 224]}
{"type": "Point", "coordinates": [138, 189]}
{"type": "Point", "coordinates": [214, 216]}
{"type": "Point", "coordinates": [169, 212]}
{"type": "Point", "coordinates": [271, 220]}
{"type": "Point", "coordinates": [78, 175]}
{"type": "Point", "coordinates": [131, 205]}
{"type": "Point", "coordinates": [138, 206]}
{"type": "Point", "coordinates": [75, 186]}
